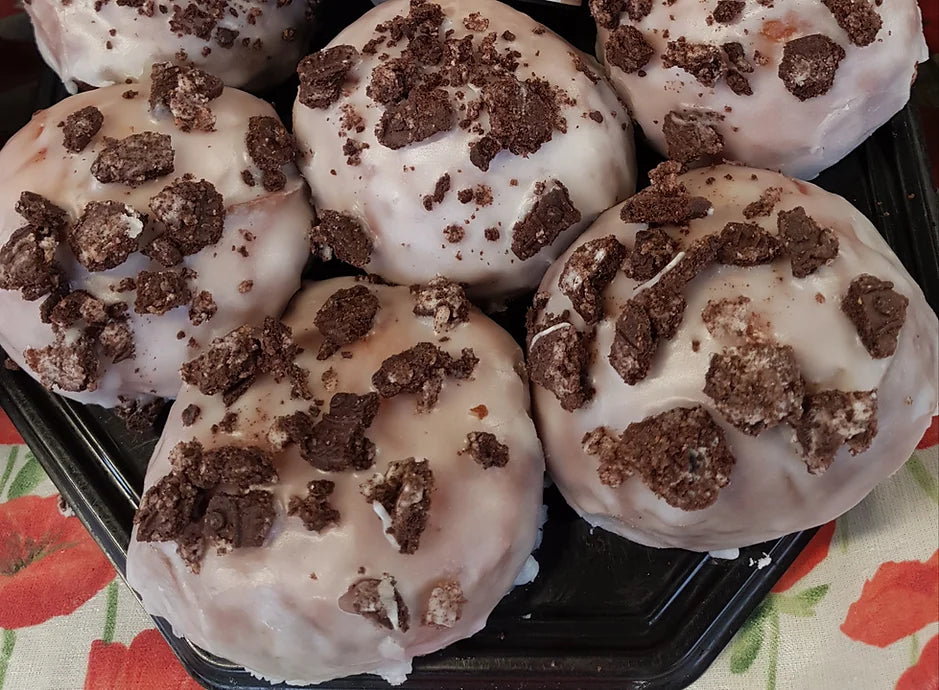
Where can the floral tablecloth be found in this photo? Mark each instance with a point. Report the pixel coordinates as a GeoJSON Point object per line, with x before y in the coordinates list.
{"type": "Point", "coordinates": [859, 609]}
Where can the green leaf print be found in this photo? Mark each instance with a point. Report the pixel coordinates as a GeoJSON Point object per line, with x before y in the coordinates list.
{"type": "Point", "coordinates": [749, 640]}
{"type": "Point", "coordinates": [27, 478]}
{"type": "Point", "coordinates": [923, 478]}
{"type": "Point", "coordinates": [802, 605]}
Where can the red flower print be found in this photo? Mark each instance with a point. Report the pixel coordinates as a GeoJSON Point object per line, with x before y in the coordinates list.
{"type": "Point", "coordinates": [8, 433]}
{"type": "Point", "coordinates": [931, 437]}
{"type": "Point", "coordinates": [925, 674]}
{"type": "Point", "coordinates": [49, 566]}
{"type": "Point", "coordinates": [814, 553]}
{"type": "Point", "coordinates": [900, 599]}
{"type": "Point", "coordinates": [148, 663]}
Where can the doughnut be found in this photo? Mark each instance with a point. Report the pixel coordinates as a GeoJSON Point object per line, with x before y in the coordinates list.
{"type": "Point", "coordinates": [729, 356]}
{"type": "Point", "coordinates": [457, 138]}
{"type": "Point", "coordinates": [137, 223]}
{"type": "Point", "coordinates": [246, 43]}
{"type": "Point", "coordinates": [792, 86]}
{"type": "Point", "coordinates": [316, 516]}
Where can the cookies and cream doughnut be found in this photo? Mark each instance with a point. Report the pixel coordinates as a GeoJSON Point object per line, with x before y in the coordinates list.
{"type": "Point", "coordinates": [793, 85]}
{"type": "Point", "coordinates": [344, 491]}
{"type": "Point", "coordinates": [729, 356]}
{"type": "Point", "coordinates": [457, 138]}
{"type": "Point", "coordinates": [246, 43]}
{"type": "Point", "coordinates": [138, 222]}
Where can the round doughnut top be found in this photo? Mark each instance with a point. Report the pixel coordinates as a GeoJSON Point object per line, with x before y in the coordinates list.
{"type": "Point", "coordinates": [458, 138]}
{"type": "Point", "coordinates": [138, 222]}
{"type": "Point", "coordinates": [382, 492]}
{"type": "Point", "coordinates": [246, 43]}
{"type": "Point", "coordinates": [791, 86]}
{"type": "Point", "coordinates": [751, 364]}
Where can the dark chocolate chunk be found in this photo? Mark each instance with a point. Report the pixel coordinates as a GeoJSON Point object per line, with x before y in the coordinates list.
{"type": "Point", "coordinates": [105, 234]}
{"type": "Point", "coordinates": [39, 211]}
{"type": "Point", "coordinates": [756, 386]}
{"type": "Point", "coordinates": [444, 605]}
{"type": "Point", "coordinates": [314, 509]}
{"type": "Point", "coordinates": [680, 454]}
{"type": "Point", "coordinates": [444, 300]}
{"type": "Point", "coordinates": [858, 19]}
{"type": "Point", "coordinates": [764, 205]}
{"type": "Point", "coordinates": [342, 236]}
{"type": "Point", "coordinates": [590, 268]}
{"type": "Point", "coordinates": [134, 159]}
{"type": "Point", "coordinates": [193, 214]}
{"type": "Point", "coordinates": [692, 136]}
{"type": "Point", "coordinates": [653, 249]}
{"type": "Point", "coordinates": [271, 147]}
{"type": "Point", "coordinates": [809, 64]}
{"type": "Point", "coordinates": [228, 366]}
{"type": "Point", "coordinates": [184, 93]}
{"type": "Point", "coordinates": [80, 128]}
{"type": "Point", "coordinates": [380, 602]}
{"type": "Point", "coordinates": [421, 370]}
{"type": "Point", "coordinates": [877, 311]}
{"type": "Point", "coordinates": [628, 49]}
{"type": "Point", "coordinates": [486, 449]}
{"type": "Point", "coordinates": [747, 244]}
{"type": "Point", "coordinates": [727, 10]}
{"type": "Point", "coordinates": [557, 360]}
{"type": "Point", "coordinates": [322, 75]}
{"type": "Point", "coordinates": [552, 214]}
{"type": "Point", "coordinates": [404, 492]}
{"type": "Point", "coordinates": [346, 316]}
{"type": "Point", "coordinates": [703, 61]}
{"type": "Point", "coordinates": [421, 115]}
{"type": "Point", "coordinates": [810, 246]}
{"type": "Point", "coordinates": [160, 291]}
{"type": "Point", "coordinates": [832, 419]}
{"type": "Point", "coordinates": [69, 365]}
{"type": "Point", "coordinates": [522, 115]}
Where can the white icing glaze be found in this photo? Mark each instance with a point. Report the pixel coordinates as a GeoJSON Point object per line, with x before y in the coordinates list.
{"type": "Point", "coordinates": [35, 160]}
{"type": "Point", "coordinates": [770, 492]}
{"type": "Point", "coordinates": [595, 161]}
{"type": "Point", "coordinates": [772, 128]}
{"type": "Point", "coordinates": [73, 38]}
{"type": "Point", "coordinates": [259, 606]}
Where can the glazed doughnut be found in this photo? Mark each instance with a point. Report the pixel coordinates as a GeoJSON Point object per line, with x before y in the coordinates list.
{"type": "Point", "coordinates": [744, 358]}
{"type": "Point", "coordinates": [138, 222]}
{"type": "Point", "coordinates": [380, 489]}
{"type": "Point", "coordinates": [246, 43]}
{"type": "Point", "coordinates": [457, 138]}
{"type": "Point", "coordinates": [791, 86]}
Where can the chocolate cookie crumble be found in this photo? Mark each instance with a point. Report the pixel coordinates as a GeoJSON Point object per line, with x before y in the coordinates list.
{"type": "Point", "coordinates": [81, 127]}
{"type": "Point", "coordinates": [809, 64]}
{"type": "Point", "coordinates": [421, 370]}
{"type": "Point", "coordinates": [403, 493]}
{"type": "Point", "coordinates": [314, 509]}
{"type": "Point", "coordinates": [347, 316]}
{"type": "Point", "coordinates": [877, 311]}
{"type": "Point", "coordinates": [485, 449]}
{"type": "Point", "coordinates": [832, 419]}
{"type": "Point", "coordinates": [590, 268]}
{"type": "Point", "coordinates": [134, 159]}
{"type": "Point", "coordinates": [810, 246]}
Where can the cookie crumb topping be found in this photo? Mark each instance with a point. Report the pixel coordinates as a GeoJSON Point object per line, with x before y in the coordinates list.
{"type": "Point", "coordinates": [402, 498]}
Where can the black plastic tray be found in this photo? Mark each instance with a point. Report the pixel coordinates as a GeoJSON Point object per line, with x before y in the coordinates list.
{"type": "Point", "coordinates": [603, 612]}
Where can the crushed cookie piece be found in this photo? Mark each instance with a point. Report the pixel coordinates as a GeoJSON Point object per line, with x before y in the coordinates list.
{"type": "Point", "coordinates": [271, 147]}
{"type": "Point", "coordinates": [444, 300]}
{"type": "Point", "coordinates": [192, 212]}
{"type": "Point", "coordinates": [190, 414]}
{"type": "Point", "coordinates": [160, 291]}
{"type": "Point", "coordinates": [858, 19]}
{"type": "Point", "coordinates": [444, 605]}
{"type": "Point", "coordinates": [105, 234]}
{"type": "Point", "coordinates": [337, 442]}
{"type": "Point", "coordinates": [692, 136]}
{"type": "Point", "coordinates": [81, 127]}
{"type": "Point", "coordinates": [666, 201]}
{"type": "Point", "coordinates": [134, 159]}
{"type": "Point", "coordinates": [680, 454]}
{"type": "Point", "coordinates": [522, 114]}
{"type": "Point", "coordinates": [703, 61]}
{"type": "Point", "coordinates": [344, 318]}
{"type": "Point", "coordinates": [421, 370]}
{"type": "Point", "coordinates": [809, 64]}
{"type": "Point", "coordinates": [764, 205]}
{"type": "Point", "coordinates": [634, 343]}
{"type": "Point", "coordinates": [185, 93]}
{"type": "Point", "coordinates": [291, 429]}
{"type": "Point", "coordinates": [628, 49]}
{"type": "Point", "coordinates": [653, 249]}
{"type": "Point", "coordinates": [756, 386]}
{"type": "Point", "coordinates": [810, 246]}
{"type": "Point", "coordinates": [483, 151]}
{"type": "Point", "coordinates": [747, 244]}
{"type": "Point", "coordinates": [228, 366]}
{"type": "Point", "coordinates": [27, 263]}
{"type": "Point", "coordinates": [607, 12]}
{"type": "Point", "coordinates": [727, 11]}
{"type": "Point", "coordinates": [340, 235]}
{"type": "Point", "coordinates": [832, 419]}
{"type": "Point", "coordinates": [40, 212]}
{"type": "Point", "coordinates": [402, 498]}
{"type": "Point", "coordinates": [587, 272]}
{"type": "Point", "coordinates": [322, 75]}
{"type": "Point", "coordinates": [68, 364]}
{"type": "Point", "coordinates": [441, 188]}
{"type": "Point", "coordinates": [877, 311]}
{"type": "Point", "coordinates": [314, 509]}
{"type": "Point", "coordinates": [454, 234]}
{"type": "Point", "coordinates": [552, 213]}
{"type": "Point", "coordinates": [485, 449]}
{"type": "Point", "coordinates": [557, 360]}
{"type": "Point", "coordinates": [202, 308]}
{"type": "Point", "coordinates": [424, 113]}
{"type": "Point", "coordinates": [379, 601]}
